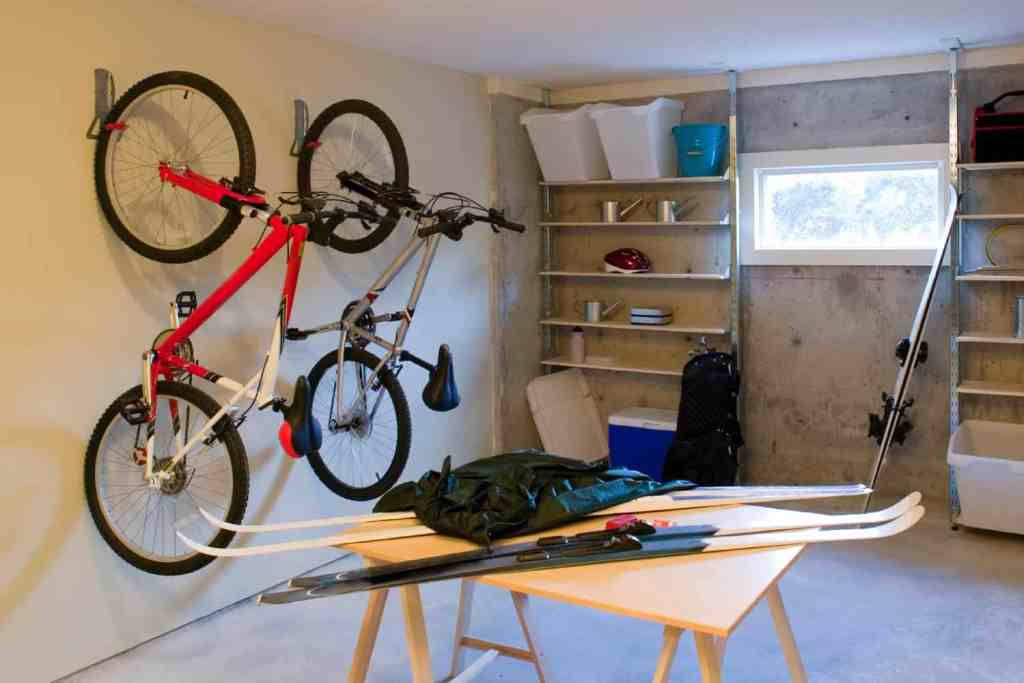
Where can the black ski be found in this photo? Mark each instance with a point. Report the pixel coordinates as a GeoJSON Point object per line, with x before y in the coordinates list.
{"type": "Point", "coordinates": [636, 541]}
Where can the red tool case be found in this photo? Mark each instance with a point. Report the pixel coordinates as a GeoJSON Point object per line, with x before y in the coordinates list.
{"type": "Point", "coordinates": [998, 135]}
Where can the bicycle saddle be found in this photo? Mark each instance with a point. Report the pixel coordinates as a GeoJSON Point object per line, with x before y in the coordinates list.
{"type": "Point", "coordinates": [441, 394]}
{"type": "Point", "coordinates": [300, 432]}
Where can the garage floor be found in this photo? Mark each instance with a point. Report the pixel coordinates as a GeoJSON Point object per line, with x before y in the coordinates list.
{"type": "Point", "coordinates": [932, 605]}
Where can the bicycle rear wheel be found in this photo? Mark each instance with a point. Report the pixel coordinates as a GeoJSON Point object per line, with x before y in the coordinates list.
{"type": "Point", "coordinates": [363, 458]}
{"type": "Point", "coordinates": [354, 136]}
{"type": "Point", "coordinates": [186, 121]}
{"type": "Point", "coordinates": [139, 522]}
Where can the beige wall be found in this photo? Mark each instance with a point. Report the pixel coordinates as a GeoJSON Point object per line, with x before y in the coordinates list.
{"type": "Point", "coordinates": [79, 307]}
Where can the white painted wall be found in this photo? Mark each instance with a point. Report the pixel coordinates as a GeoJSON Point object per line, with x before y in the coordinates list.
{"type": "Point", "coordinates": [79, 307]}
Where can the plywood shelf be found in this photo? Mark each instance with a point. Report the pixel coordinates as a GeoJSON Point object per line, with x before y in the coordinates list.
{"type": "Point", "coordinates": [637, 276]}
{"type": "Point", "coordinates": [990, 277]}
{"type": "Point", "coordinates": [609, 325]}
{"type": "Point", "coordinates": [990, 216]}
{"type": "Point", "coordinates": [996, 166]}
{"type": "Point", "coordinates": [978, 388]}
{"type": "Point", "coordinates": [724, 178]}
{"type": "Point", "coordinates": [637, 368]}
{"type": "Point", "coordinates": [988, 338]}
{"type": "Point", "coordinates": [638, 224]}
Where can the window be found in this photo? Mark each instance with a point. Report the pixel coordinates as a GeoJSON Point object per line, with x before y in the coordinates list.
{"type": "Point", "coordinates": [871, 206]}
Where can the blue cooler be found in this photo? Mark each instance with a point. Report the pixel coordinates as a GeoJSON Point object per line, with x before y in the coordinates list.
{"type": "Point", "coordinates": [638, 439]}
{"type": "Point", "coordinates": [701, 148]}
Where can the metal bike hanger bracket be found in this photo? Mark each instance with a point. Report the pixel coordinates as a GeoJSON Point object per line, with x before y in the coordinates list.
{"type": "Point", "coordinates": [301, 125]}
{"type": "Point", "coordinates": [103, 103]}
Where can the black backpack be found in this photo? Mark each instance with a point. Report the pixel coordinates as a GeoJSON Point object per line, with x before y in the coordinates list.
{"type": "Point", "coordinates": [708, 434]}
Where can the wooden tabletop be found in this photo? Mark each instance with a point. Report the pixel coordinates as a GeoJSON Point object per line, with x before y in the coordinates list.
{"type": "Point", "coordinates": [709, 593]}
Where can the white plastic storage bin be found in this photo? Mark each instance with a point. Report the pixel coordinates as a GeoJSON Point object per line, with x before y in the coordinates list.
{"type": "Point", "coordinates": [566, 142]}
{"type": "Point", "coordinates": [987, 468]}
{"type": "Point", "coordinates": [638, 140]}
{"type": "Point", "coordinates": [638, 439]}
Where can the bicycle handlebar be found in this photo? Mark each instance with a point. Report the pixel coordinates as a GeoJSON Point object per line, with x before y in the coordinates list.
{"type": "Point", "coordinates": [453, 229]}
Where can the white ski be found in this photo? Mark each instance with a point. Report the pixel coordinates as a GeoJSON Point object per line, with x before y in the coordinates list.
{"type": "Point", "coordinates": [638, 506]}
{"type": "Point", "coordinates": [650, 549]}
{"type": "Point", "coordinates": [906, 371]}
{"type": "Point", "coordinates": [712, 493]}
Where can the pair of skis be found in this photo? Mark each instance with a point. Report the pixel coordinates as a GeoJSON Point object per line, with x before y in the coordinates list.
{"type": "Point", "coordinates": [635, 541]}
{"type": "Point", "coordinates": [700, 497]}
{"type": "Point", "coordinates": [912, 351]}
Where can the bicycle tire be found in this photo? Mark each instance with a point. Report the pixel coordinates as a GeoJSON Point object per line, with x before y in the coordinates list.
{"type": "Point", "coordinates": [239, 479]}
{"type": "Point", "coordinates": [310, 148]}
{"type": "Point", "coordinates": [403, 422]}
{"type": "Point", "coordinates": [246, 169]}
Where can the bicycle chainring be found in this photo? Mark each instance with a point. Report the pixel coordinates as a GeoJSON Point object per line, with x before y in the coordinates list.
{"type": "Point", "coordinates": [183, 350]}
{"type": "Point", "coordinates": [364, 322]}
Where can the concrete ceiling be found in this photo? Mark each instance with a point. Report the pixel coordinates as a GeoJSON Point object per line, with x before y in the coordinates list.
{"type": "Point", "coordinates": [565, 43]}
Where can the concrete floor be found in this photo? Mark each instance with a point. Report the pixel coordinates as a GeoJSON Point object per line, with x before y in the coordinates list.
{"type": "Point", "coordinates": [931, 605]}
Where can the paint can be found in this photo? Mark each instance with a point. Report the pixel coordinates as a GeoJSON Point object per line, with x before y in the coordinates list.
{"type": "Point", "coordinates": [1018, 318]}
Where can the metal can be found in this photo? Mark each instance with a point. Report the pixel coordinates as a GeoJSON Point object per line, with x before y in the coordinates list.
{"type": "Point", "coordinates": [1018, 318]}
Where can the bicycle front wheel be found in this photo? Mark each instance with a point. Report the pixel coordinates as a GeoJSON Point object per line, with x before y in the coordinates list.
{"type": "Point", "coordinates": [354, 136]}
{"type": "Point", "coordinates": [140, 522]}
{"type": "Point", "coordinates": [364, 452]}
{"type": "Point", "coordinates": [185, 121]}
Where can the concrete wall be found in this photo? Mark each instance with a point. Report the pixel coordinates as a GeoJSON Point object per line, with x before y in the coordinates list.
{"type": "Point", "coordinates": [818, 342]}
{"type": "Point", "coordinates": [80, 307]}
{"type": "Point", "coordinates": [517, 258]}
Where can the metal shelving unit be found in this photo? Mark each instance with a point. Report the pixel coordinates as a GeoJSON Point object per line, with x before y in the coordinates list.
{"type": "Point", "coordinates": [551, 320]}
{"type": "Point", "coordinates": [638, 224]}
{"type": "Point", "coordinates": [960, 174]}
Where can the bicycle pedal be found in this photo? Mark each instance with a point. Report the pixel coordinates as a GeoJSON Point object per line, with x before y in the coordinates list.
{"type": "Point", "coordinates": [187, 302]}
{"type": "Point", "coordinates": [134, 412]}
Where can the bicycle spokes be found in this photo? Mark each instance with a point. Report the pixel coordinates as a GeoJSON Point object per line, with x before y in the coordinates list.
{"type": "Point", "coordinates": [183, 128]}
{"type": "Point", "coordinates": [144, 517]}
{"type": "Point", "coordinates": [359, 448]}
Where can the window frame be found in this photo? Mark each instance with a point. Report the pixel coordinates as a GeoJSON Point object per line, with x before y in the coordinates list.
{"type": "Point", "coordinates": [754, 165]}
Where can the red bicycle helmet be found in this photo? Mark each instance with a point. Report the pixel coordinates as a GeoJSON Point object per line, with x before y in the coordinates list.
{"type": "Point", "coordinates": [626, 261]}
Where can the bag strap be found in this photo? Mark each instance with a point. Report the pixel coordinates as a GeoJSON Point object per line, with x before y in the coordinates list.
{"type": "Point", "coordinates": [990, 107]}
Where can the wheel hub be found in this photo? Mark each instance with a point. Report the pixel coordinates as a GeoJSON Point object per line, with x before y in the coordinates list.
{"type": "Point", "coordinates": [173, 480]}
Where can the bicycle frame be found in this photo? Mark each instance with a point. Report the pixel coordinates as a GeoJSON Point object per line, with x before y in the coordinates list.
{"type": "Point", "coordinates": [163, 359]}
{"type": "Point", "coordinates": [393, 351]}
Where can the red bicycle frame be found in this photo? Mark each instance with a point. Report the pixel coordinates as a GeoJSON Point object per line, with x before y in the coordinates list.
{"type": "Point", "coordinates": [165, 361]}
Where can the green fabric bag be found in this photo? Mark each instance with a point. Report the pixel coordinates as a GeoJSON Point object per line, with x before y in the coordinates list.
{"type": "Point", "coordinates": [517, 493]}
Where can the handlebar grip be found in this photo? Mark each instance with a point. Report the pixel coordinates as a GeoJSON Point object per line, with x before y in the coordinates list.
{"type": "Point", "coordinates": [297, 218]}
{"type": "Point", "coordinates": [514, 227]}
{"type": "Point", "coordinates": [439, 228]}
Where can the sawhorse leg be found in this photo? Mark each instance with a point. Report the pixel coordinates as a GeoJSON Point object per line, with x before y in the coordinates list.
{"type": "Point", "coordinates": [669, 646]}
{"type": "Point", "coordinates": [521, 602]}
{"type": "Point", "coordinates": [415, 634]}
{"type": "Point", "coordinates": [710, 651]}
{"type": "Point", "coordinates": [367, 636]}
{"type": "Point", "coordinates": [785, 633]}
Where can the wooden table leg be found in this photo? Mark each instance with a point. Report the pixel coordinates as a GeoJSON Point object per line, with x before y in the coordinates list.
{"type": "Point", "coordinates": [367, 636]}
{"type": "Point", "coordinates": [669, 646]}
{"type": "Point", "coordinates": [462, 625]}
{"type": "Point", "coordinates": [785, 633]}
{"type": "Point", "coordinates": [709, 657]}
{"type": "Point", "coordinates": [416, 634]}
{"type": "Point", "coordinates": [522, 605]}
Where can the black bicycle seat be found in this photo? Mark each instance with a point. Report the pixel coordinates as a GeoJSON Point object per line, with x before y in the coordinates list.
{"type": "Point", "coordinates": [441, 393]}
{"type": "Point", "coordinates": [300, 433]}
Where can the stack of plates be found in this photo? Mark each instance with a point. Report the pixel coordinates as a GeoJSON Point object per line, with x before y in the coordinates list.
{"type": "Point", "coordinates": [650, 316]}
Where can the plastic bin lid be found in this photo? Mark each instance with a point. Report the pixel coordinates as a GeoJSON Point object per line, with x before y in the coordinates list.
{"type": "Point", "coordinates": [660, 103]}
{"type": "Point", "coordinates": [645, 418]}
{"type": "Point", "coordinates": [563, 114]}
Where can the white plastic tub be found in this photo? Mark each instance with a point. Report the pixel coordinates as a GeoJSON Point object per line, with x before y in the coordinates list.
{"type": "Point", "coordinates": [987, 468]}
{"type": "Point", "coordinates": [566, 142]}
{"type": "Point", "coordinates": [638, 140]}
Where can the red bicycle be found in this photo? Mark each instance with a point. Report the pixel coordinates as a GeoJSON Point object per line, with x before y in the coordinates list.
{"type": "Point", "coordinates": [164, 451]}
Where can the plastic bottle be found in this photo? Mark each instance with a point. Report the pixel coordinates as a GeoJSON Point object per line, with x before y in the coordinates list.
{"type": "Point", "coordinates": [577, 350]}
